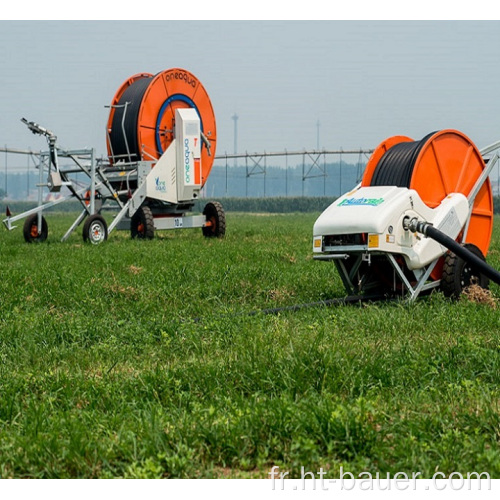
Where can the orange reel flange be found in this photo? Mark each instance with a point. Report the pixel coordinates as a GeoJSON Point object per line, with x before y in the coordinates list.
{"type": "Point", "coordinates": [142, 116]}
{"type": "Point", "coordinates": [447, 162]}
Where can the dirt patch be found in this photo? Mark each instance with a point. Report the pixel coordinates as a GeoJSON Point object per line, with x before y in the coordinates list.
{"type": "Point", "coordinates": [135, 269]}
{"type": "Point", "coordinates": [280, 294]}
{"type": "Point", "coordinates": [475, 293]}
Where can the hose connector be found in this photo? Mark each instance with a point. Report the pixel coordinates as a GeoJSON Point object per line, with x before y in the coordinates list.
{"type": "Point", "coordinates": [414, 225]}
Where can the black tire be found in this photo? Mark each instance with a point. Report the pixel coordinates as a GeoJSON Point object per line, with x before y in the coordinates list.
{"type": "Point", "coordinates": [459, 274]}
{"type": "Point", "coordinates": [30, 230]}
{"type": "Point", "coordinates": [95, 229]}
{"type": "Point", "coordinates": [214, 213]}
{"type": "Point", "coordinates": [142, 224]}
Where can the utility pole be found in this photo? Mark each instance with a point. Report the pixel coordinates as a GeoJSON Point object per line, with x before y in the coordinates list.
{"type": "Point", "coordinates": [6, 171]}
{"type": "Point", "coordinates": [317, 135]}
{"type": "Point", "coordinates": [235, 118]}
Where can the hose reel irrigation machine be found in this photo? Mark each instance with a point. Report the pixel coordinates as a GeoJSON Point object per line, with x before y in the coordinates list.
{"type": "Point", "coordinates": [161, 139]}
{"type": "Point", "coordinates": [421, 218]}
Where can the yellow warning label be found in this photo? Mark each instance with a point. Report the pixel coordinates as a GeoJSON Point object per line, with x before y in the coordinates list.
{"type": "Point", "coordinates": [373, 241]}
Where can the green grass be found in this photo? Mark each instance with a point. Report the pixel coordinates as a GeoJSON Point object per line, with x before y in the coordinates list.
{"type": "Point", "coordinates": [136, 359]}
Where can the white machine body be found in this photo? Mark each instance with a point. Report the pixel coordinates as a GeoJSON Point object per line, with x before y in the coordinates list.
{"type": "Point", "coordinates": [176, 176]}
{"type": "Point", "coordinates": [370, 219]}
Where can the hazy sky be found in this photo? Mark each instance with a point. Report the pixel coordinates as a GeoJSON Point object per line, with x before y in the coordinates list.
{"type": "Point", "coordinates": [363, 81]}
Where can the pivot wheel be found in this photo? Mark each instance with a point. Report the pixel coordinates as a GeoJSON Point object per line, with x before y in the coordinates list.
{"type": "Point", "coordinates": [142, 224]}
{"type": "Point", "coordinates": [215, 226]}
{"type": "Point", "coordinates": [95, 229]}
{"type": "Point", "coordinates": [32, 233]}
{"type": "Point", "coordinates": [458, 274]}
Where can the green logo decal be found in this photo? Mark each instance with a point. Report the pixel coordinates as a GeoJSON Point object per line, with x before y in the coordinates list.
{"type": "Point", "coordinates": [371, 202]}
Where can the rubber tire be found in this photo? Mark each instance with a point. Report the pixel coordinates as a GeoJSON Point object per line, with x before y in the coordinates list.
{"type": "Point", "coordinates": [89, 228]}
{"type": "Point", "coordinates": [214, 212]}
{"type": "Point", "coordinates": [31, 221]}
{"type": "Point", "coordinates": [143, 217]}
{"type": "Point", "coordinates": [459, 274]}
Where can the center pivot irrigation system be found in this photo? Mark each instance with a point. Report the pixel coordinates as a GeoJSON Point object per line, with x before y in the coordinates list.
{"type": "Point", "coordinates": [421, 218]}
{"type": "Point", "coordinates": [161, 139]}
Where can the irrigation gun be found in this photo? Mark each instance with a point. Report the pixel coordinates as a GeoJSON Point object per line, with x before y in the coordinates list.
{"type": "Point", "coordinates": [161, 139]}
{"type": "Point", "coordinates": [421, 218]}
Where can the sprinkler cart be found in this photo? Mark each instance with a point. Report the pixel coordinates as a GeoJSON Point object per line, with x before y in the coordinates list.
{"type": "Point", "coordinates": [161, 139]}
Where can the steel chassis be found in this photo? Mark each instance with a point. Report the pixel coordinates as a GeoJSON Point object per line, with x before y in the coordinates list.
{"type": "Point", "coordinates": [101, 177]}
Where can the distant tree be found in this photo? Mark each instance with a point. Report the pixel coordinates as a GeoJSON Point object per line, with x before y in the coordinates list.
{"type": "Point", "coordinates": [3, 194]}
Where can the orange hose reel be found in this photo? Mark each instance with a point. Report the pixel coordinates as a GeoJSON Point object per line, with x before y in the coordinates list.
{"type": "Point", "coordinates": [141, 120]}
{"type": "Point", "coordinates": [447, 162]}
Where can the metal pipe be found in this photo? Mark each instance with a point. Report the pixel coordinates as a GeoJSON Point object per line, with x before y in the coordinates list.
{"type": "Point", "coordinates": [490, 148]}
{"type": "Point", "coordinates": [296, 153]}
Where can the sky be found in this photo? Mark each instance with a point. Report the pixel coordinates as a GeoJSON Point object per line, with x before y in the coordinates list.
{"type": "Point", "coordinates": [363, 81]}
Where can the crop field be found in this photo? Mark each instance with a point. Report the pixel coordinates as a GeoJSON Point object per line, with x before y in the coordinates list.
{"type": "Point", "coordinates": [140, 359]}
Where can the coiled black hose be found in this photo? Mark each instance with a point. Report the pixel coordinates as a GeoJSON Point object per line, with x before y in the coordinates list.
{"type": "Point", "coordinates": [124, 140]}
{"type": "Point", "coordinates": [395, 168]}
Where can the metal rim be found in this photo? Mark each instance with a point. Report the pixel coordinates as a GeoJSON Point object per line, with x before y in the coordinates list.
{"type": "Point", "coordinates": [97, 232]}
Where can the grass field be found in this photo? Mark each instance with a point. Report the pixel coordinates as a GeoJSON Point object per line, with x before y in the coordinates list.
{"type": "Point", "coordinates": [136, 359]}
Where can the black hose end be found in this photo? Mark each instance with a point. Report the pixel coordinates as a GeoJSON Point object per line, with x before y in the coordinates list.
{"type": "Point", "coordinates": [414, 225]}
{"type": "Point", "coordinates": [422, 227]}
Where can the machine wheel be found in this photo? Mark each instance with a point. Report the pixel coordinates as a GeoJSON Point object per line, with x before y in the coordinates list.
{"type": "Point", "coordinates": [30, 230]}
{"type": "Point", "coordinates": [459, 274]}
{"type": "Point", "coordinates": [142, 224]}
{"type": "Point", "coordinates": [95, 229]}
{"type": "Point", "coordinates": [214, 213]}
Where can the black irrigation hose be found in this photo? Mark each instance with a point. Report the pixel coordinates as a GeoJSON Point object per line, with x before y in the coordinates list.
{"type": "Point", "coordinates": [133, 96]}
{"type": "Point", "coordinates": [481, 266]}
{"type": "Point", "coordinates": [395, 168]}
{"type": "Point", "coordinates": [350, 299]}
